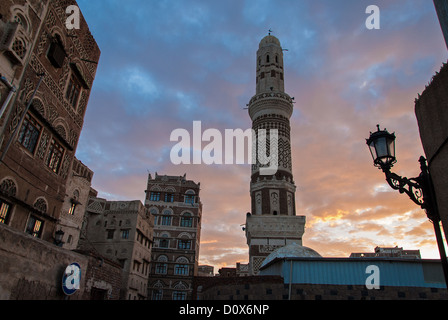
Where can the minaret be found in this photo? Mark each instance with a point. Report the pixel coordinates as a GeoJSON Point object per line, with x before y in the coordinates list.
{"type": "Point", "coordinates": [273, 222]}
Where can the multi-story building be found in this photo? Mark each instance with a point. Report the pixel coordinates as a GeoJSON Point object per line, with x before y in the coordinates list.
{"type": "Point", "coordinates": [205, 271]}
{"type": "Point", "coordinates": [47, 72]}
{"type": "Point", "coordinates": [389, 252]}
{"type": "Point", "coordinates": [121, 231]}
{"type": "Point", "coordinates": [74, 207]}
{"type": "Point", "coordinates": [176, 205]}
{"type": "Point", "coordinates": [273, 222]}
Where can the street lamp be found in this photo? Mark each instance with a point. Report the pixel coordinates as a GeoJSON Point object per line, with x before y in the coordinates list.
{"type": "Point", "coordinates": [382, 148]}
{"type": "Point", "coordinates": [420, 189]}
{"type": "Point", "coordinates": [58, 235]}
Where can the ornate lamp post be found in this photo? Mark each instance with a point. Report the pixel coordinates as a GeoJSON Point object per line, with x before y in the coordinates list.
{"type": "Point", "coordinates": [420, 189]}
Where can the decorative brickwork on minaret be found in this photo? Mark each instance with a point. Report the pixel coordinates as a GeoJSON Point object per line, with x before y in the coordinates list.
{"type": "Point", "coordinates": [273, 222]}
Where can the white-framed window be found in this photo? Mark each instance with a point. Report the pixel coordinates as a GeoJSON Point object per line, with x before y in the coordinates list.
{"type": "Point", "coordinates": [186, 220]}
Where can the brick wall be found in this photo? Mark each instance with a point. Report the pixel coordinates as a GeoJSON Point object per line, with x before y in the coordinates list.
{"type": "Point", "coordinates": [273, 288]}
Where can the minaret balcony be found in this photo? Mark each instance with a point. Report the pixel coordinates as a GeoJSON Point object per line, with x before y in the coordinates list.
{"type": "Point", "coordinates": [270, 102]}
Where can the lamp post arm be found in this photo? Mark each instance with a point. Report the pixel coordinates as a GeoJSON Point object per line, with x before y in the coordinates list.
{"type": "Point", "coordinates": [420, 190]}
{"type": "Point", "coordinates": [411, 187]}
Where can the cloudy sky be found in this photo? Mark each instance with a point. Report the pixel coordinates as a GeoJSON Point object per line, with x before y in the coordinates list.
{"type": "Point", "coordinates": [165, 64]}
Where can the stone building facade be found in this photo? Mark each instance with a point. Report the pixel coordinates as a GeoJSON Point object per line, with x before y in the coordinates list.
{"type": "Point", "coordinates": [74, 207]}
{"type": "Point", "coordinates": [432, 117]}
{"type": "Point", "coordinates": [176, 205]}
{"type": "Point", "coordinates": [47, 74]}
{"type": "Point", "coordinates": [32, 269]}
{"type": "Point", "coordinates": [273, 222]}
{"type": "Point", "coordinates": [121, 231]}
{"type": "Point", "coordinates": [393, 252]}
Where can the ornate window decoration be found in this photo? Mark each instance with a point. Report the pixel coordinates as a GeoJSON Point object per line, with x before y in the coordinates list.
{"type": "Point", "coordinates": [29, 133]}
{"type": "Point", "coordinates": [164, 241]}
{"type": "Point", "coordinates": [74, 202]}
{"type": "Point", "coordinates": [73, 91]}
{"type": "Point", "coordinates": [56, 152]}
{"type": "Point", "coordinates": [154, 196]}
{"type": "Point", "coordinates": [41, 205]}
{"type": "Point", "coordinates": [15, 40]}
{"type": "Point", "coordinates": [186, 220]}
{"type": "Point", "coordinates": [184, 244]}
{"type": "Point", "coordinates": [161, 265]}
{"type": "Point", "coordinates": [182, 260]}
{"type": "Point", "coordinates": [19, 48]}
{"type": "Point", "coordinates": [56, 53]}
{"type": "Point", "coordinates": [8, 187]}
{"type": "Point", "coordinates": [76, 85]}
{"type": "Point", "coordinates": [180, 291]}
{"type": "Point", "coordinates": [157, 292]}
{"type": "Point", "coordinates": [38, 106]}
{"type": "Point", "coordinates": [166, 218]}
{"type": "Point", "coordinates": [190, 197]}
{"type": "Point", "coordinates": [181, 269]}
{"type": "Point", "coordinates": [20, 19]}
{"type": "Point", "coordinates": [169, 197]}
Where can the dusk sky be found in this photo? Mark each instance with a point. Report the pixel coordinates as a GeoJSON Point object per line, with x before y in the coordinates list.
{"type": "Point", "coordinates": [165, 64]}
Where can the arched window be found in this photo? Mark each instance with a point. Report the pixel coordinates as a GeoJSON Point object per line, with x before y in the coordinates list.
{"type": "Point", "coordinates": [166, 218]}
{"type": "Point", "coordinates": [154, 212]}
{"type": "Point", "coordinates": [8, 187]}
{"type": "Point", "coordinates": [182, 260]}
{"type": "Point", "coordinates": [41, 205]}
{"type": "Point", "coordinates": [267, 59]}
{"type": "Point", "coordinates": [180, 291]}
{"type": "Point", "coordinates": [157, 292]}
{"type": "Point", "coordinates": [161, 265]}
{"type": "Point", "coordinates": [181, 268]}
{"type": "Point", "coordinates": [164, 242]}
{"type": "Point", "coordinates": [34, 226]}
{"type": "Point", "coordinates": [186, 220]}
{"type": "Point", "coordinates": [74, 202]}
{"type": "Point", "coordinates": [19, 47]}
{"type": "Point", "coordinates": [56, 54]}
{"type": "Point", "coordinates": [190, 197]}
{"type": "Point", "coordinates": [21, 20]}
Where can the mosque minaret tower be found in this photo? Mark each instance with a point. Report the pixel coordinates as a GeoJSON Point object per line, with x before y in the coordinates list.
{"type": "Point", "coordinates": [273, 222]}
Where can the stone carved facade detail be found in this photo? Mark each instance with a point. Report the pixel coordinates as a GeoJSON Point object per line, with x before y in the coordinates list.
{"type": "Point", "coordinates": [16, 117]}
{"type": "Point", "coordinates": [269, 248]}
{"type": "Point", "coordinates": [275, 205]}
{"type": "Point", "coordinates": [258, 203]}
{"type": "Point", "coordinates": [8, 187]}
{"type": "Point", "coordinates": [41, 205]}
{"type": "Point", "coordinates": [65, 166]}
{"type": "Point", "coordinates": [43, 144]}
{"type": "Point", "coordinates": [290, 203]}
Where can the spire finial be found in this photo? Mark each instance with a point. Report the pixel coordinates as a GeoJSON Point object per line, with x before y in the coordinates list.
{"type": "Point", "coordinates": [269, 31]}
